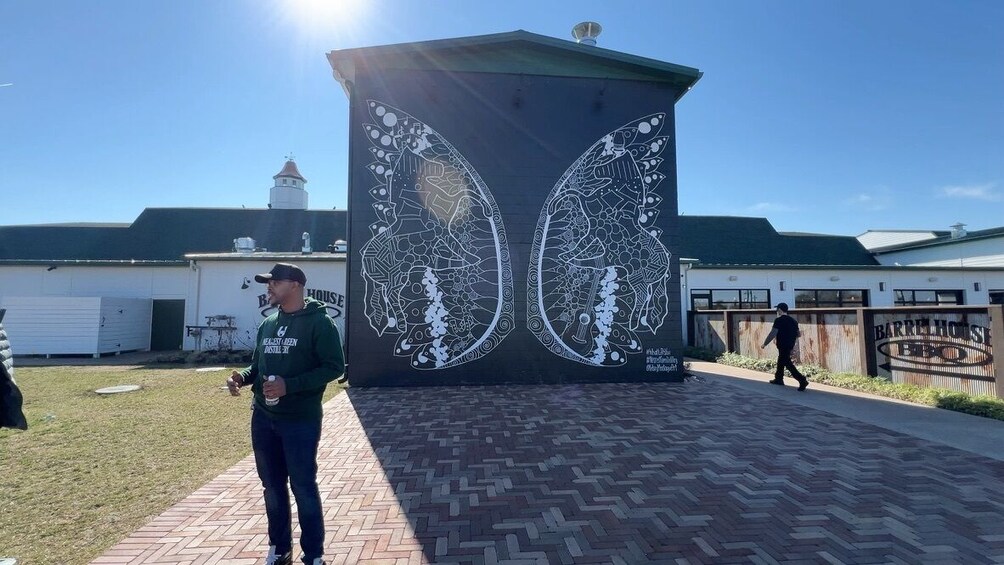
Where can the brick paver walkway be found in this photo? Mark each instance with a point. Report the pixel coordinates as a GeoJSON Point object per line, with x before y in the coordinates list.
{"type": "Point", "coordinates": [656, 473]}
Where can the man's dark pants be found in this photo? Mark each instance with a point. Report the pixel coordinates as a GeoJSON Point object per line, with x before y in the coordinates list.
{"type": "Point", "coordinates": [287, 450]}
{"type": "Point", "coordinates": [784, 362]}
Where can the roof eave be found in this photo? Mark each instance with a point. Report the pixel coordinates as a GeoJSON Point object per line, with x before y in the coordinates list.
{"type": "Point", "coordinates": [343, 61]}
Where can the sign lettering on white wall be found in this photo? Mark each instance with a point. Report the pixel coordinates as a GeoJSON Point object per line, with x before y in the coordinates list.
{"type": "Point", "coordinates": [334, 302]}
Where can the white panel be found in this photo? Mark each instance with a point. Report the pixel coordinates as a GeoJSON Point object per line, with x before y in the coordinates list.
{"type": "Point", "coordinates": [52, 325]}
{"type": "Point", "coordinates": [57, 282]}
{"type": "Point", "coordinates": [170, 282]}
{"type": "Point", "coordinates": [21, 281]}
{"type": "Point", "coordinates": [125, 324]}
{"type": "Point", "coordinates": [113, 281]}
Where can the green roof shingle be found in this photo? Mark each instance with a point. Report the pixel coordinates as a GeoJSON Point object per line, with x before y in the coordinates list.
{"type": "Point", "coordinates": [167, 234]}
{"type": "Point", "coordinates": [160, 234]}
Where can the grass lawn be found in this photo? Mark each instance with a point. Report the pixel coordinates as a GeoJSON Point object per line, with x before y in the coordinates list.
{"type": "Point", "coordinates": [91, 469]}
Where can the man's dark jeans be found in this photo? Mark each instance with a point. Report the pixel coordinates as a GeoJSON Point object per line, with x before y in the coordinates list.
{"type": "Point", "coordinates": [784, 362]}
{"type": "Point", "coordinates": [287, 450]}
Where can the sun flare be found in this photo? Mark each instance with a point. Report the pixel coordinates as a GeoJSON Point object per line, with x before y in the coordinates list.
{"type": "Point", "coordinates": [324, 16]}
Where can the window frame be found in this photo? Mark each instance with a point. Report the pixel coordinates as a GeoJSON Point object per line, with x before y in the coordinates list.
{"type": "Point", "coordinates": [960, 298]}
{"type": "Point", "coordinates": [841, 302]}
{"type": "Point", "coordinates": [741, 303]}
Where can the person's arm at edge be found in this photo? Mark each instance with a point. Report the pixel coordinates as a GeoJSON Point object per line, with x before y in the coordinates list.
{"type": "Point", "coordinates": [770, 337]}
{"type": "Point", "coordinates": [250, 373]}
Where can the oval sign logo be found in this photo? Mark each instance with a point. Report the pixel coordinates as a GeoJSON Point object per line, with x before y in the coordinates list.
{"type": "Point", "coordinates": [935, 353]}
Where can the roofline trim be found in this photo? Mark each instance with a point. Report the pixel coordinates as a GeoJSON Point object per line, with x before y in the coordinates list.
{"type": "Point", "coordinates": [337, 58]}
{"type": "Point", "coordinates": [778, 267]}
{"type": "Point", "coordinates": [96, 262]}
{"type": "Point", "coordinates": [312, 257]}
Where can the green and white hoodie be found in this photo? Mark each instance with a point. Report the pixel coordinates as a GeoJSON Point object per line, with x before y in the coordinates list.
{"type": "Point", "coordinates": [303, 348]}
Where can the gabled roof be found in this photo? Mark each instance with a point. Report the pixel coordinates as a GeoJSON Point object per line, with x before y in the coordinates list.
{"type": "Point", "coordinates": [289, 170]}
{"type": "Point", "coordinates": [729, 240]}
{"type": "Point", "coordinates": [167, 234]}
{"type": "Point", "coordinates": [516, 52]}
{"type": "Point", "coordinates": [944, 238]}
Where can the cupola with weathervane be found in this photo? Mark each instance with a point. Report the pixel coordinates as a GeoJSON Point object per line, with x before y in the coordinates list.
{"type": "Point", "coordinates": [288, 193]}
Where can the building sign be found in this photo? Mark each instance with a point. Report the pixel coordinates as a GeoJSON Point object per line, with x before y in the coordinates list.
{"type": "Point", "coordinates": [334, 302]}
{"type": "Point", "coordinates": [917, 347]}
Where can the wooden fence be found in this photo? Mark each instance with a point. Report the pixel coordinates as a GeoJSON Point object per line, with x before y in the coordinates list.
{"type": "Point", "coordinates": [939, 346]}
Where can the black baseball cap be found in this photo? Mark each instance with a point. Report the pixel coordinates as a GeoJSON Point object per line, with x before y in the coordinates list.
{"type": "Point", "coordinates": [283, 272]}
{"type": "Point", "coordinates": [782, 307]}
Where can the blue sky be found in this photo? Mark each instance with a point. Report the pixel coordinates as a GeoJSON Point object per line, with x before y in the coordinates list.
{"type": "Point", "coordinates": [831, 117]}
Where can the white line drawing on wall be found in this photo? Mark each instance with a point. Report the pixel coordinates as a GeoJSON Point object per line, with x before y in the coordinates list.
{"type": "Point", "coordinates": [436, 267]}
{"type": "Point", "coordinates": [598, 271]}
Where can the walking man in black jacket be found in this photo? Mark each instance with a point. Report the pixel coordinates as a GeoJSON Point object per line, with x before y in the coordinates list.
{"type": "Point", "coordinates": [785, 334]}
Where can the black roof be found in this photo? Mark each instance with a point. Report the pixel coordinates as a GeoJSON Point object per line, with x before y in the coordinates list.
{"type": "Point", "coordinates": [167, 234]}
{"type": "Point", "coordinates": [732, 240]}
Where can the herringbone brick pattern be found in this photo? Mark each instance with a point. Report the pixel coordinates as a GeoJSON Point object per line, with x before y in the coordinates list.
{"type": "Point", "coordinates": [652, 473]}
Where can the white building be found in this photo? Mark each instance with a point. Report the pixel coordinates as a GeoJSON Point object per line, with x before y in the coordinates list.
{"type": "Point", "coordinates": [188, 272]}
{"type": "Point", "coordinates": [169, 280]}
{"type": "Point", "coordinates": [743, 263]}
{"type": "Point", "coordinates": [957, 248]}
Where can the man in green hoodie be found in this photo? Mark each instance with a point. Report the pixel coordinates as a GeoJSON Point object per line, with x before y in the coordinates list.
{"type": "Point", "coordinates": [300, 347]}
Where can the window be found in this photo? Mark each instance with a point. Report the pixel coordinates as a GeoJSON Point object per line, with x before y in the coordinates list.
{"type": "Point", "coordinates": [808, 298]}
{"type": "Point", "coordinates": [706, 299]}
{"type": "Point", "coordinates": [285, 181]}
{"type": "Point", "coordinates": [927, 297]}
{"type": "Point", "coordinates": [997, 296]}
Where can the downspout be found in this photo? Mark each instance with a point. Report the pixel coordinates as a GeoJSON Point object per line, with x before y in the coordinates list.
{"type": "Point", "coordinates": [686, 303]}
{"type": "Point", "coordinates": [198, 289]}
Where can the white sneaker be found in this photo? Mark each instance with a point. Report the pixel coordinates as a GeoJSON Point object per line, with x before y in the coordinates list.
{"type": "Point", "coordinates": [319, 561]}
{"type": "Point", "coordinates": [273, 559]}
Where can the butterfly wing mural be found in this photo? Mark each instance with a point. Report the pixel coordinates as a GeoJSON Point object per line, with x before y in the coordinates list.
{"type": "Point", "coordinates": [598, 271]}
{"type": "Point", "coordinates": [436, 267]}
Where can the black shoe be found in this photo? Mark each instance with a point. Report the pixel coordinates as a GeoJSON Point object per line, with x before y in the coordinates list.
{"type": "Point", "coordinates": [776, 382]}
{"type": "Point", "coordinates": [802, 384]}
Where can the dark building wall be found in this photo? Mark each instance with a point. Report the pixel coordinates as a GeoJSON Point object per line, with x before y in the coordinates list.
{"type": "Point", "coordinates": [520, 134]}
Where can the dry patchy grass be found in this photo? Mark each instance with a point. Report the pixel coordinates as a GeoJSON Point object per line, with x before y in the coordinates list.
{"type": "Point", "coordinates": [91, 469]}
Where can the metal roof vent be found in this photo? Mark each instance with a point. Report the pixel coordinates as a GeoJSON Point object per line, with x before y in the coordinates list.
{"type": "Point", "coordinates": [959, 231]}
{"type": "Point", "coordinates": [244, 245]}
{"type": "Point", "coordinates": [340, 246]}
{"type": "Point", "coordinates": [586, 32]}
{"type": "Point", "coordinates": [306, 250]}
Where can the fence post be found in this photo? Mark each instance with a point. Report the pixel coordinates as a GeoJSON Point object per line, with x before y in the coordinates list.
{"type": "Point", "coordinates": [690, 328]}
{"type": "Point", "coordinates": [729, 334]}
{"type": "Point", "coordinates": [866, 342]}
{"type": "Point", "coordinates": [996, 312]}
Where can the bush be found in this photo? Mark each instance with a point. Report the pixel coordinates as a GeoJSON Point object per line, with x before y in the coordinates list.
{"type": "Point", "coordinates": [986, 406]}
{"type": "Point", "coordinates": [206, 358]}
